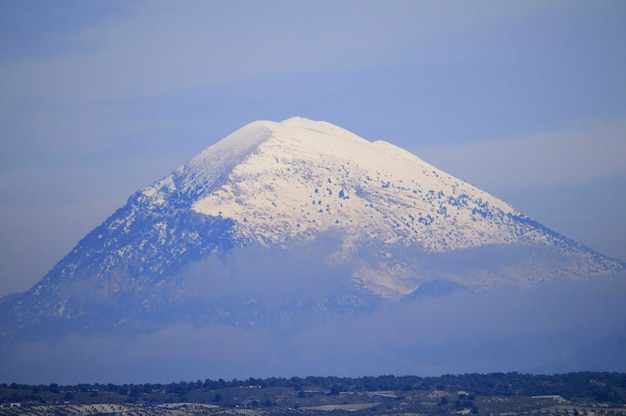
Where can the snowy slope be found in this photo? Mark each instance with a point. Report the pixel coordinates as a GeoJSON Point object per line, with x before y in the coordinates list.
{"type": "Point", "coordinates": [304, 177]}
{"type": "Point", "coordinates": [285, 183]}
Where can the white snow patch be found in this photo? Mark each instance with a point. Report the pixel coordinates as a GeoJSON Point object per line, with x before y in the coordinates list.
{"type": "Point", "coordinates": [320, 176]}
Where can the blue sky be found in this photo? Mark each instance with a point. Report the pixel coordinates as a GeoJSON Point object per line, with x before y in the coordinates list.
{"type": "Point", "coordinates": [525, 99]}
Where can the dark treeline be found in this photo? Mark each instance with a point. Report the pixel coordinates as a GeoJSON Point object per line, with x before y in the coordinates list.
{"type": "Point", "coordinates": [601, 386]}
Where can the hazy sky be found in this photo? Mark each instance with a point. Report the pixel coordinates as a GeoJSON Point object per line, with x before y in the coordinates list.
{"type": "Point", "coordinates": [525, 99]}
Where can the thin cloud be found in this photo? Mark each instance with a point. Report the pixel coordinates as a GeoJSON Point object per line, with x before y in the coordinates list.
{"type": "Point", "coordinates": [557, 327]}
{"type": "Point", "coordinates": [562, 158]}
{"type": "Point", "coordinates": [159, 47]}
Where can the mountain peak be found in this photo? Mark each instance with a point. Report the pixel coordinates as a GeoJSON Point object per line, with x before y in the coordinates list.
{"type": "Point", "coordinates": [305, 176]}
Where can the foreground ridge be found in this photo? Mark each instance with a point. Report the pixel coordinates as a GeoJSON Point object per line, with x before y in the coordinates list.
{"type": "Point", "coordinates": [600, 393]}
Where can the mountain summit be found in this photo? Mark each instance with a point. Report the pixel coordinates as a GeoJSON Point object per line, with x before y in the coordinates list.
{"type": "Point", "coordinates": [383, 223]}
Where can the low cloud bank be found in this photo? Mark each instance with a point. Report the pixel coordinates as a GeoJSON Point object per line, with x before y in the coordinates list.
{"type": "Point", "coordinates": [268, 274]}
{"type": "Point", "coordinates": [557, 327]}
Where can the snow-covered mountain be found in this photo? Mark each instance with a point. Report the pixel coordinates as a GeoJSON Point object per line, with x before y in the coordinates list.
{"type": "Point", "coordinates": [383, 223]}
